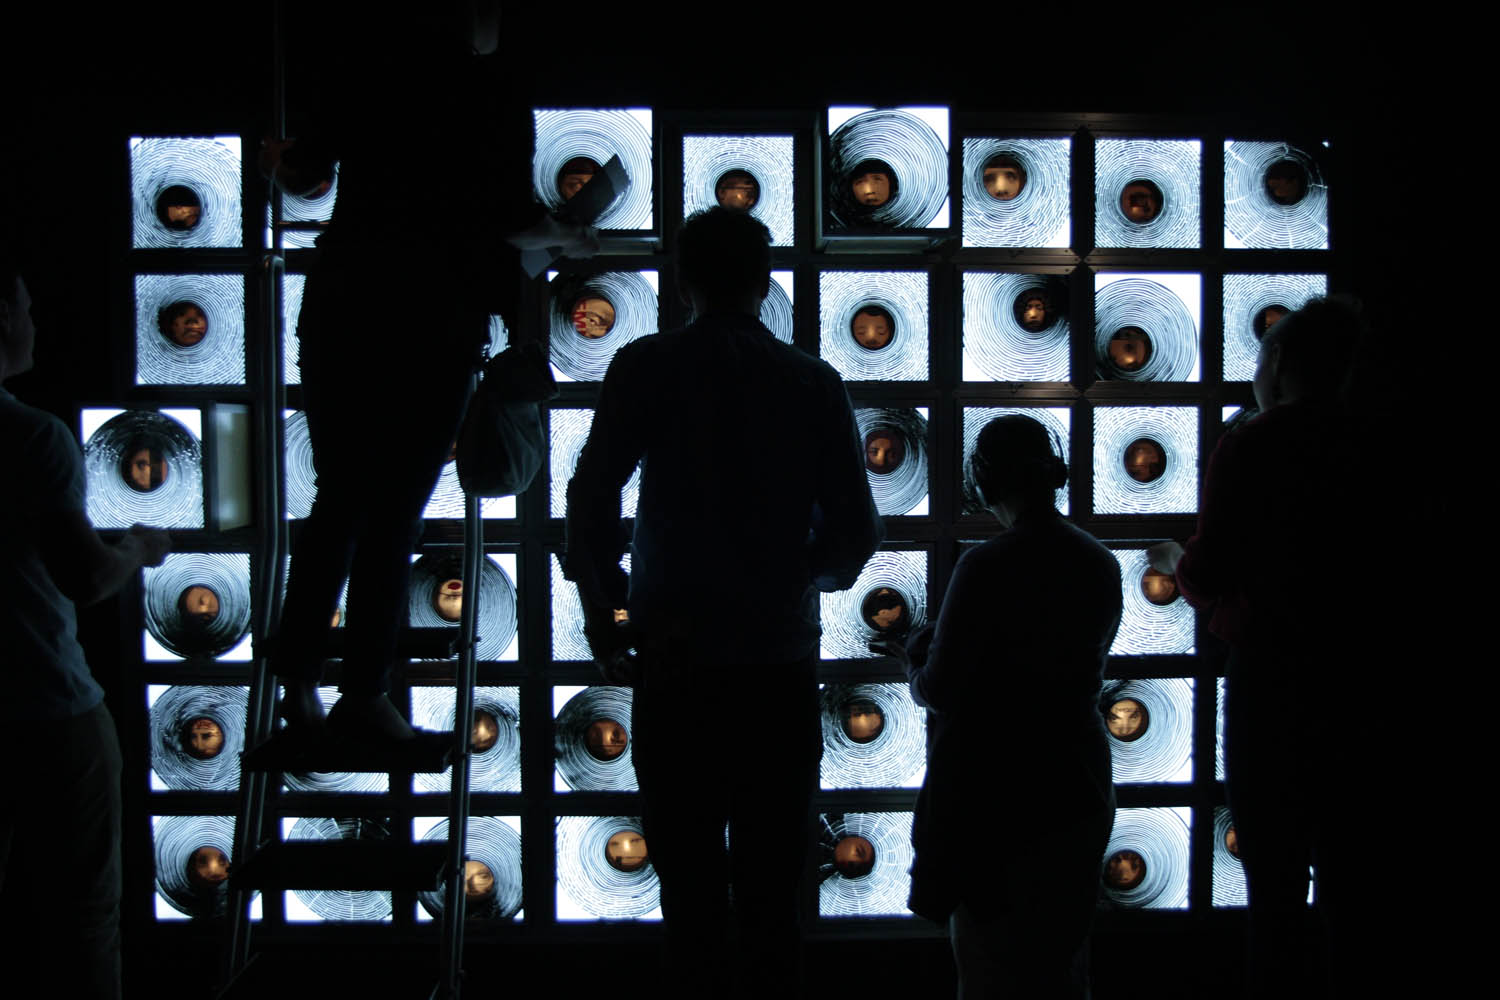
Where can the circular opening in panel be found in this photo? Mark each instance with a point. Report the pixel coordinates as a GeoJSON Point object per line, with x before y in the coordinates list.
{"type": "Point", "coordinates": [1004, 177]}
{"type": "Point", "coordinates": [626, 851]}
{"type": "Point", "coordinates": [605, 739]}
{"type": "Point", "coordinates": [179, 207]}
{"type": "Point", "coordinates": [873, 327]}
{"type": "Point", "coordinates": [574, 174]}
{"type": "Point", "coordinates": [1124, 870]}
{"type": "Point", "coordinates": [737, 190]}
{"type": "Point", "coordinates": [1141, 201]}
{"type": "Point", "coordinates": [862, 720]}
{"type": "Point", "coordinates": [1145, 460]}
{"type": "Point", "coordinates": [854, 857]}
{"type": "Point", "coordinates": [1127, 720]}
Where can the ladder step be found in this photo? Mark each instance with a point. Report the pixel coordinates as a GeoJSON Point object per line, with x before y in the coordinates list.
{"type": "Point", "coordinates": [343, 864]}
{"type": "Point", "coordinates": [429, 752]}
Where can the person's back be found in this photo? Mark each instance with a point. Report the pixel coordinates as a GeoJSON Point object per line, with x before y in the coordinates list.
{"type": "Point", "coordinates": [740, 441]}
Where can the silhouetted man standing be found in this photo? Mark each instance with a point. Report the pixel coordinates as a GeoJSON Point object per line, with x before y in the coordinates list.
{"type": "Point", "coordinates": [65, 847]}
{"type": "Point", "coordinates": [753, 498]}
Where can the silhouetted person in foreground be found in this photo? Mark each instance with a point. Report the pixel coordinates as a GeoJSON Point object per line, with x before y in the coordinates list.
{"type": "Point", "coordinates": [423, 246]}
{"type": "Point", "coordinates": [722, 597]}
{"type": "Point", "coordinates": [1028, 620]}
{"type": "Point", "coordinates": [1277, 563]}
{"type": "Point", "coordinates": [60, 814]}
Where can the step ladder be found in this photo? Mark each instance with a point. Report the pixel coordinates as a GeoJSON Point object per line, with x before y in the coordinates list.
{"type": "Point", "coordinates": [262, 859]}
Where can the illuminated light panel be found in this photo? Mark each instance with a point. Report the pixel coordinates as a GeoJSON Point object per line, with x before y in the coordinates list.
{"type": "Point", "coordinates": [1246, 296]}
{"type": "Point", "coordinates": [903, 294]}
{"type": "Point", "coordinates": [1036, 217]}
{"type": "Point", "coordinates": [496, 768]}
{"type": "Point", "coordinates": [1167, 307]}
{"type": "Point", "coordinates": [1173, 166]}
{"type": "Point", "coordinates": [767, 158]}
{"type": "Point", "coordinates": [1253, 219]}
{"type": "Point", "coordinates": [996, 346]}
{"type": "Point", "coordinates": [209, 168]}
{"type": "Point", "coordinates": [890, 753]}
{"type": "Point", "coordinates": [1163, 751]}
{"type": "Point", "coordinates": [1175, 430]}
{"type": "Point", "coordinates": [216, 359]}
{"type": "Point", "coordinates": [913, 142]}
{"type": "Point", "coordinates": [1147, 628]}
{"type": "Point", "coordinates": [846, 635]}
{"type": "Point", "coordinates": [598, 135]}
{"type": "Point", "coordinates": [903, 489]}
{"type": "Point", "coordinates": [174, 497]}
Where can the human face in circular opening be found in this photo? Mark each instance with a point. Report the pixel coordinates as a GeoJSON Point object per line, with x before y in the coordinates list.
{"type": "Point", "coordinates": [1127, 719]}
{"type": "Point", "coordinates": [448, 600]}
{"type": "Point", "coordinates": [479, 881]}
{"type": "Point", "coordinates": [1004, 181]}
{"type": "Point", "coordinates": [1160, 588]}
{"type": "Point", "coordinates": [871, 329]}
{"type": "Point", "coordinates": [145, 470]}
{"type": "Point", "coordinates": [605, 739]}
{"type": "Point", "coordinates": [188, 327]}
{"type": "Point", "coordinates": [626, 851]}
{"type": "Point", "coordinates": [862, 720]}
{"type": "Point", "coordinates": [884, 451]}
{"type": "Point", "coordinates": [485, 732]}
{"type": "Point", "coordinates": [737, 190]}
{"type": "Point", "coordinates": [1286, 182]}
{"type": "Point", "coordinates": [1145, 461]}
{"type": "Point", "coordinates": [1125, 870]}
{"type": "Point", "coordinates": [1130, 348]}
{"type": "Point", "coordinates": [1034, 313]}
{"type": "Point", "coordinates": [207, 866]}
{"type": "Point", "coordinates": [1269, 317]}
{"type": "Point", "coordinates": [593, 317]}
{"type": "Point", "coordinates": [883, 608]}
{"type": "Point", "coordinates": [871, 188]}
{"type": "Point", "coordinates": [574, 175]}
{"type": "Point", "coordinates": [854, 857]}
{"type": "Point", "coordinates": [202, 739]}
{"type": "Point", "coordinates": [1140, 201]}
{"type": "Point", "coordinates": [200, 603]}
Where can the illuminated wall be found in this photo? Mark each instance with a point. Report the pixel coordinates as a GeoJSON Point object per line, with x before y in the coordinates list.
{"type": "Point", "coordinates": [952, 267]}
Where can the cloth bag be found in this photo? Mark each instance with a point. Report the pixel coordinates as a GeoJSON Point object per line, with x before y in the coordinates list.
{"type": "Point", "coordinates": [501, 442]}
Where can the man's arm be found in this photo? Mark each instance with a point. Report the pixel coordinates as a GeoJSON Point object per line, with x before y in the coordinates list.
{"type": "Point", "coordinates": [84, 568]}
{"type": "Point", "coordinates": [595, 542]}
{"type": "Point", "coordinates": [965, 624]}
{"type": "Point", "coordinates": [846, 528]}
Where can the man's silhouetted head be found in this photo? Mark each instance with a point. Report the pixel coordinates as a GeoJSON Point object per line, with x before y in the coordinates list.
{"type": "Point", "coordinates": [724, 261]}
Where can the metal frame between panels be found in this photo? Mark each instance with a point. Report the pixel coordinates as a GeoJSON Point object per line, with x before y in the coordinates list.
{"type": "Point", "coordinates": [533, 536]}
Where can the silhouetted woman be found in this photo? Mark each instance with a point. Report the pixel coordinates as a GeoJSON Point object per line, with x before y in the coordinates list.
{"type": "Point", "coordinates": [1017, 806]}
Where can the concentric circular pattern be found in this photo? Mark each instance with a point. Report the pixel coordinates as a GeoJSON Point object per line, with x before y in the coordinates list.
{"type": "Point", "coordinates": [298, 209]}
{"type": "Point", "coordinates": [218, 358]}
{"type": "Point", "coordinates": [597, 135]}
{"type": "Point", "coordinates": [205, 757]}
{"type": "Point", "coordinates": [1175, 430]}
{"type": "Point", "coordinates": [1146, 627]}
{"type": "Point", "coordinates": [193, 623]}
{"type": "Point", "coordinates": [576, 764]}
{"type": "Point", "coordinates": [776, 312]}
{"type": "Point", "coordinates": [568, 432]}
{"type": "Point", "coordinates": [1219, 730]}
{"type": "Point", "coordinates": [568, 641]}
{"type": "Point", "coordinates": [1057, 420]}
{"type": "Point", "coordinates": [902, 484]}
{"type": "Point", "coordinates": [495, 767]}
{"type": "Point", "coordinates": [193, 883]}
{"type": "Point", "coordinates": [492, 843]}
{"type": "Point", "coordinates": [767, 158]}
{"type": "Point", "coordinates": [1171, 165]}
{"type": "Point", "coordinates": [209, 168]}
{"type": "Point", "coordinates": [903, 294]}
{"type": "Point", "coordinates": [447, 499]}
{"type": "Point", "coordinates": [883, 889]}
{"type": "Point", "coordinates": [846, 635]}
{"type": "Point", "coordinates": [1163, 749]}
{"type": "Point", "coordinates": [291, 310]}
{"type": "Point", "coordinates": [586, 875]}
{"type": "Point", "coordinates": [342, 904]}
{"type": "Point", "coordinates": [997, 345]}
{"type": "Point", "coordinates": [1253, 218]}
{"type": "Point", "coordinates": [1038, 216]}
{"type": "Point", "coordinates": [912, 150]}
{"type": "Point", "coordinates": [301, 476]}
{"type": "Point", "coordinates": [1156, 309]}
{"type": "Point", "coordinates": [1229, 871]}
{"type": "Point", "coordinates": [176, 501]}
{"type": "Point", "coordinates": [874, 736]}
{"type": "Point", "coordinates": [330, 782]}
{"type": "Point", "coordinates": [1246, 298]}
{"type": "Point", "coordinates": [497, 600]}
{"type": "Point", "coordinates": [1159, 838]}
{"type": "Point", "coordinates": [586, 359]}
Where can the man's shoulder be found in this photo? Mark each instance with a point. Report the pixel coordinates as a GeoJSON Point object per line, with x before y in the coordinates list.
{"type": "Point", "coordinates": [24, 425]}
{"type": "Point", "coordinates": [689, 340]}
